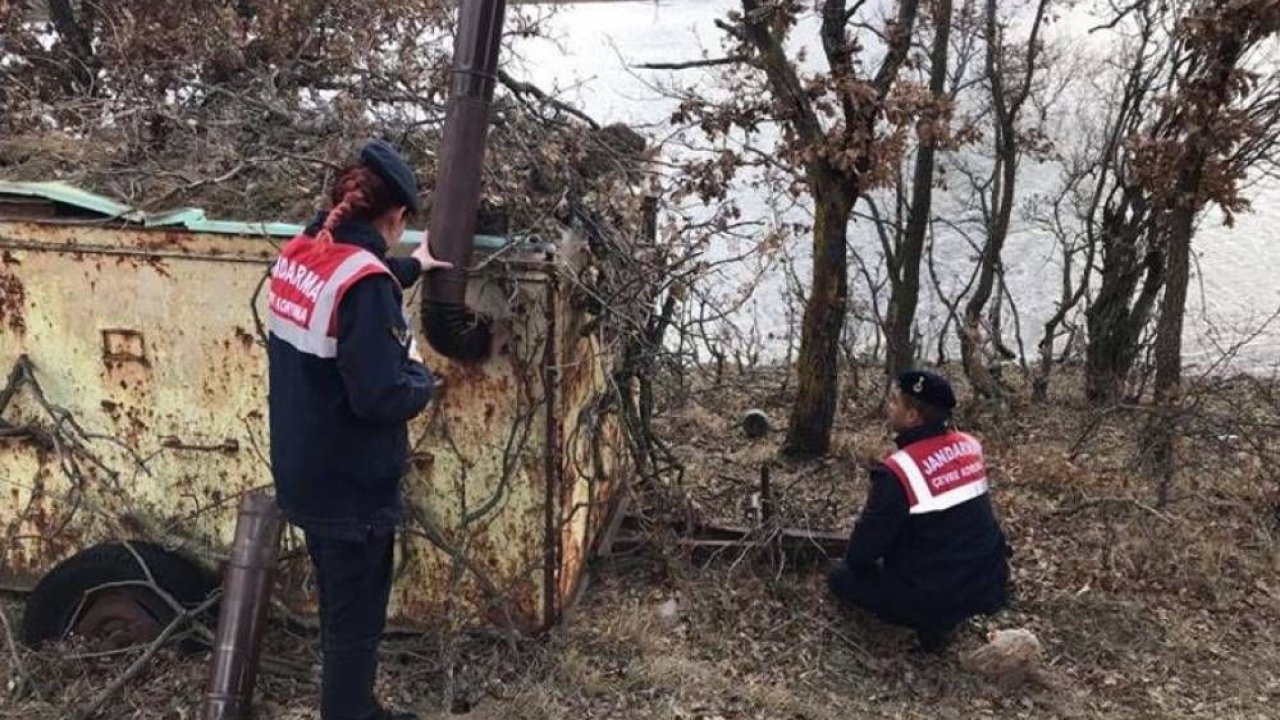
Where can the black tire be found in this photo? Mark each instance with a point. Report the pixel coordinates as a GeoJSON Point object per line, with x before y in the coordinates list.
{"type": "Point", "coordinates": [51, 605]}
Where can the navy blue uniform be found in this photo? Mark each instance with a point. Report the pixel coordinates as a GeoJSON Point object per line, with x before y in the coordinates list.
{"type": "Point", "coordinates": [339, 446]}
{"type": "Point", "coordinates": [928, 571]}
{"type": "Point", "coordinates": [339, 432]}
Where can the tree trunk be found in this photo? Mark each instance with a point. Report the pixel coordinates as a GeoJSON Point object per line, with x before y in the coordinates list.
{"type": "Point", "coordinates": [1180, 223]}
{"type": "Point", "coordinates": [1040, 383]}
{"type": "Point", "coordinates": [904, 276]}
{"type": "Point", "coordinates": [1169, 350]}
{"type": "Point", "coordinates": [1115, 328]}
{"type": "Point", "coordinates": [1114, 324]}
{"type": "Point", "coordinates": [971, 333]}
{"type": "Point", "coordinates": [809, 431]}
{"type": "Point", "coordinates": [1006, 109]}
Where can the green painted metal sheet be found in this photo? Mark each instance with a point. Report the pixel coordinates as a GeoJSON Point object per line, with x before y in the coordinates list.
{"type": "Point", "coordinates": [193, 219]}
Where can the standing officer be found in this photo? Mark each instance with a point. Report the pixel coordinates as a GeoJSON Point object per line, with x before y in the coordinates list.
{"type": "Point", "coordinates": [345, 380]}
{"type": "Point", "coordinates": [926, 552]}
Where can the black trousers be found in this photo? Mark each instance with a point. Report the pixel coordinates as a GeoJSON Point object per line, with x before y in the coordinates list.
{"type": "Point", "coordinates": [354, 582]}
{"type": "Point", "coordinates": [890, 599]}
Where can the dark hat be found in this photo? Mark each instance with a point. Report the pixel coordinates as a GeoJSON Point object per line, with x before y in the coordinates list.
{"type": "Point", "coordinates": [929, 388]}
{"type": "Point", "coordinates": [384, 160]}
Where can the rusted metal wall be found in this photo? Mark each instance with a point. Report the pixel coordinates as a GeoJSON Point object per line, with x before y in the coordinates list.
{"type": "Point", "coordinates": [146, 348]}
{"type": "Point", "coordinates": [590, 452]}
{"type": "Point", "coordinates": [153, 388]}
{"type": "Point", "coordinates": [478, 472]}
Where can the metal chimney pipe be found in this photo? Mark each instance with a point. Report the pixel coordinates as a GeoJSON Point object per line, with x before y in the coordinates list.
{"type": "Point", "coordinates": [246, 590]}
{"type": "Point", "coordinates": [452, 328]}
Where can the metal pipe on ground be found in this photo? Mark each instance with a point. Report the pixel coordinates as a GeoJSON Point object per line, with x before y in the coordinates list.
{"type": "Point", "coordinates": [452, 328]}
{"type": "Point", "coordinates": [246, 592]}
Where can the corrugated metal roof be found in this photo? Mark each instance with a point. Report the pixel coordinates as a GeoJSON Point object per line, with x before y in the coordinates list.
{"type": "Point", "coordinates": [69, 195]}
{"type": "Point", "coordinates": [190, 219]}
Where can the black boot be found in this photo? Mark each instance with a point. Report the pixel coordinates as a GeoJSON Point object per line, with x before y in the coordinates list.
{"type": "Point", "coordinates": [932, 641]}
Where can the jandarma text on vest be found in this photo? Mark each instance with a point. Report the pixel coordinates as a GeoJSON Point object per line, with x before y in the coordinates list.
{"type": "Point", "coordinates": [942, 456]}
{"type": "Point", "coordinates": [299, 276]}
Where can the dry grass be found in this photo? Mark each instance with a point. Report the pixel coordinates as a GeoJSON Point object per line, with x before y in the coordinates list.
{"type": "Point", "coordinates": [1143, 612]}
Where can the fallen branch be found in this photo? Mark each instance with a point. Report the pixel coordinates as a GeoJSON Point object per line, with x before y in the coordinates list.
{"type": "Point", "coordinates": [24, 679]}
{"type": "Point", "coordinates": [1095, 423]}
{"type": "Point", "coordinates": [272, 664]}
{"type": "Point", "coordinates": [159, 592]}
{"type": "Point", "coordinates": [284, 667]}
{"type": "Point", "coordinates": [797, 544]}
{"type": "Point", "coordinates": [195, 185]}
{"type": "Point", "coordinates": [1114, 501]}
{"type": "Point", "coordinates": [138, 665]}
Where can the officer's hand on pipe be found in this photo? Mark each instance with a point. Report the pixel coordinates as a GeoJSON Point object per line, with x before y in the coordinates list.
{"type": "Point", "coordinates": [423, 255]}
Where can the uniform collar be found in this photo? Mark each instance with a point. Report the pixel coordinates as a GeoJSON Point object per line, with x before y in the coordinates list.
{"type": "Point", "coordinates": [353, 232]}
{"type": "Point", "coordinates": [920, 432]}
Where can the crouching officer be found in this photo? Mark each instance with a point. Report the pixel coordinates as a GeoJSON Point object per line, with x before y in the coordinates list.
{"type": "Point", "coordinates": [927, 551]}
{"type": "Point", "coordinates": [345, 380]}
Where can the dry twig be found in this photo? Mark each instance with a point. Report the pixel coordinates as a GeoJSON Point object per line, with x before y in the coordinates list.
{"type": "Point", "coordinates": [24, 679]}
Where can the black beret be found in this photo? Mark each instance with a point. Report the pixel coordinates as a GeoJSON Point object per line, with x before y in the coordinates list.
{"type": "Point", "coordinates": [926, 387]}
{"type": "Point", "coordinates": [383, 159]}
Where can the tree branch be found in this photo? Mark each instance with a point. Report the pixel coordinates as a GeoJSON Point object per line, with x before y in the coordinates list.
{"type": "Point", "coordinates": [782, 75]}
{"type": "Point", "coordinates": [900, 34]}
{"type": "Point", "coordinates": [691, 64]}
{"type": "Point", "coordinates": [520, 87]}
{"type": "Point", "coordinates": [1119, 16]}
{"type": "Point", "coordinates": [835, 45]}
{"type": "Point", "coordinates": [1028, 72]}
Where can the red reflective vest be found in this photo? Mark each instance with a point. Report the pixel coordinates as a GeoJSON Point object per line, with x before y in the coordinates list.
{"type": "Point", "coordinates": [307, 283]}
{"type": "Point", "coordinates": [940, 472]}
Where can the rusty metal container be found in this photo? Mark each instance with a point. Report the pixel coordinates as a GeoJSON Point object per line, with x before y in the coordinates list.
{"type": "Point", "coordinates": [147, 417]}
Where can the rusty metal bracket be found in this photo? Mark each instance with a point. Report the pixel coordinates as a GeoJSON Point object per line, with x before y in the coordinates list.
{"type": "Point", "coordinates": [173, 442]}
{"type": "Point", "coordinates": [124, 345]}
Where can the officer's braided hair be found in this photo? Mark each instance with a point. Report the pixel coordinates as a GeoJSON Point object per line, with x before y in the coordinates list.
{"type": "Point", "coordinates": [359, 193]}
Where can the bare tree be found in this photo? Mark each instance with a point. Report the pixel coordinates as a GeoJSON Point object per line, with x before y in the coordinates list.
{"type": "Point", "coordinates": [903, 259]}
{"type": "Point", "coordinates": [1055, 217]}
{"type": "Point", "coordinates": [1199, 146]}
{"type": "Point", "coordinates": [1010, 72]}
{"type": "Point", "coordinates": [832, 148]}
{"type": "Point", "coordinates": [1115, 214]}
